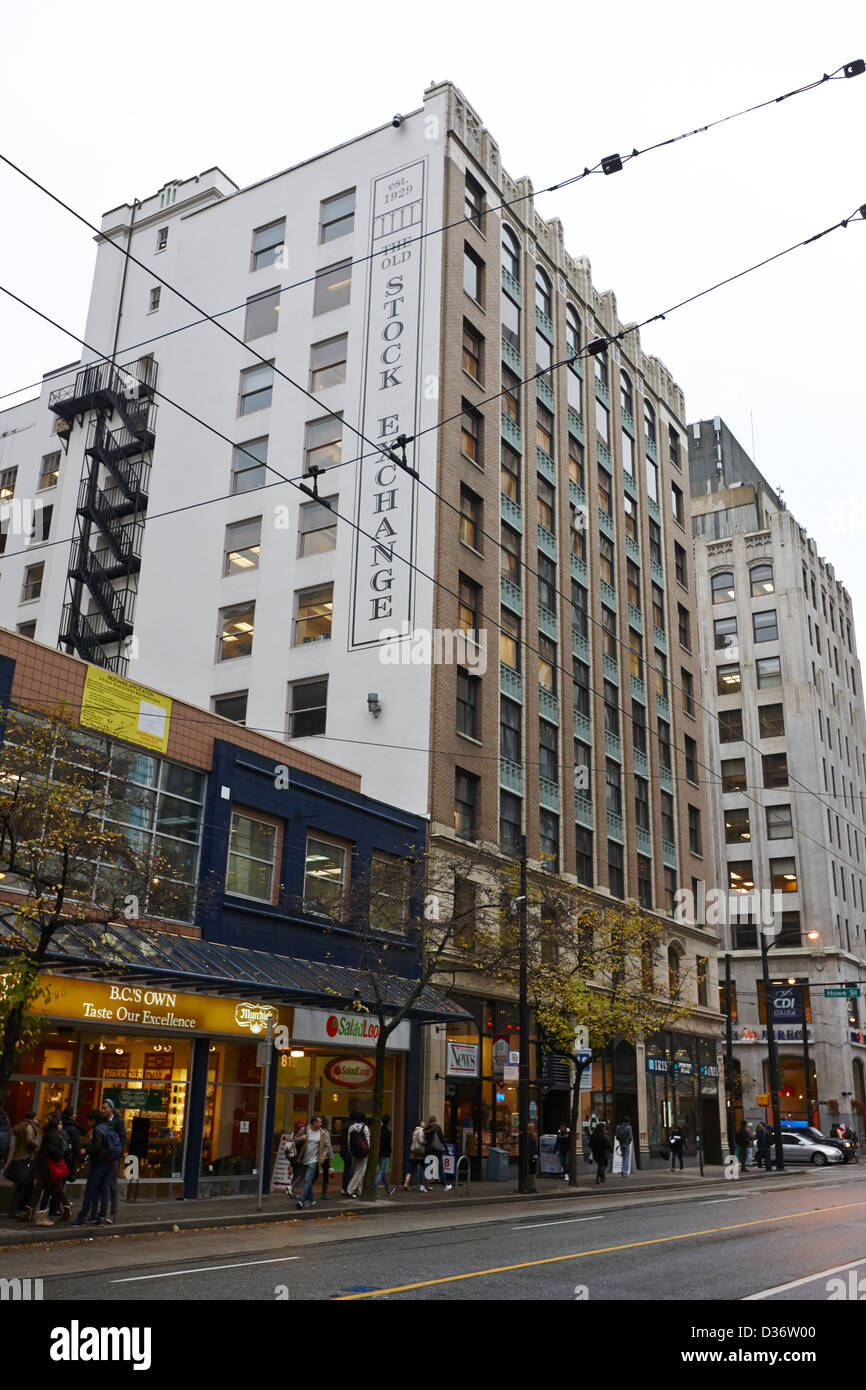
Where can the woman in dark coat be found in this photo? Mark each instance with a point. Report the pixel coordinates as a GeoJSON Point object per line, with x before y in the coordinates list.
{"type": "Point", "coordinates": [72, 1130]}
{"type": "Point", "coordinates": [601, 1149]}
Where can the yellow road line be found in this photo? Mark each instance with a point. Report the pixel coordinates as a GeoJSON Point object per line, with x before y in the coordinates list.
{"type": "Point", "coordinates": [582, 1254]}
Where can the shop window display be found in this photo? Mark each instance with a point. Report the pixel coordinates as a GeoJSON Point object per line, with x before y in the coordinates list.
{"type": "Point", "coordinates": [147, 1079]}
{"type": "Point", "coordinates": [233, 1106]}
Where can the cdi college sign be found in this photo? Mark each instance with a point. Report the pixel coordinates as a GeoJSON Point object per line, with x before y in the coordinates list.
{"type": "Point", "coordinates": [385, 500]}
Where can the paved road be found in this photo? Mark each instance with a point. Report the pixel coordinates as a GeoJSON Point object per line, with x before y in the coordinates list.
{"type": "Point", "coordinates": [767, 1243]}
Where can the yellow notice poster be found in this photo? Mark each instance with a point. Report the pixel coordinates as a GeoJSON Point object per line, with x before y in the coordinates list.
{"type": "Point", "coordinates": [125, 710]}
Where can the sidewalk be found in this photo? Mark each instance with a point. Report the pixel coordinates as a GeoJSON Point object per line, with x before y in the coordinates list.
{"type": "Point", "coordinates": [138, 1218]}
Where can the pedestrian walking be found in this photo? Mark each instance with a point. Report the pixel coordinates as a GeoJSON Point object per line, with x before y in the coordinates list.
{"type": "Point", "coordinates": [625, 1138]}
{"type": "Point", "coordinates": [72, 1130]}
{"type": "Point", "coordinates": [417, 1150]}
{"type": "Point", "coordinates": [600, 1148]}
{"type": "Point", "coordinates": [386, 1149]}
{"type": "Point", "coordinates": [101, 1164]}
{"type": "Point", "coordinates": [113, 1121]}
{"type": "Point", "coordinates": [20, 1168]}
{"type": "Point", "coordinates": [750, 1145]}
{"type": "Point", "coordinates": [764, 1146]}
{"type": "Point", "coordinates": [52, 1172]}
{"type": "Point", "coordinates": [346, 1153]}
{"type": "Point", "coordinates": [313, 1147]}
{"type": "Point", "coordinates": [5, 1138]}
{"type": "Point", "coordinates": [532, 1148]}
{"type": "Point", "coordinates": [434, 1146]}
{"type": "Point", "coordinates": [742, 1139]}
{"type": "Point", "coordinates": [562, 1149]}
{"type": "Point", "coordinates": [676, 1142]}
{"type": "Point", "coordinates": [359, 1148]}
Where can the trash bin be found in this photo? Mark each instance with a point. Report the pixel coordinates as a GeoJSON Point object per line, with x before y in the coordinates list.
{"type": "Point", "coordinates": [497, 1164]}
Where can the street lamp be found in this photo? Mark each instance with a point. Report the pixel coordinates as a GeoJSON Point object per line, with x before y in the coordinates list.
{"type": "Point", "coordinates": [771, 1051]}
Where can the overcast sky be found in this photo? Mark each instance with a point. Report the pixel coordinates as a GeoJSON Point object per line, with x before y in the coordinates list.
{"type": "Point", "coordinates": [105, 103]}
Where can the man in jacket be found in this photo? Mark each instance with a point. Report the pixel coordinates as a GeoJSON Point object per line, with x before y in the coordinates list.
{"type": "Point", "coordinates": [25, 1137]}
{"type": "Point", "coordinates": [346, 1152]}
{"type": "Point", "coordinates": [99, 1176]}
{"type": "Point", "coordinates": [764, 1141]}
{"type": "Point", "coordinates": [359, 1147]}
{"type": "Point", "coordinates": [562, 1149]}
{"type": "Point", "coordinates": [111, 1118]}
{"type": "Point", "coordinates": [742, 1138]}
{"type": "Point", "coordinates": [624, 1136]}
{"type": "Point", "coordinates": [314, 1147]}
{"type": "Point", "coordinates": [676, 1142]}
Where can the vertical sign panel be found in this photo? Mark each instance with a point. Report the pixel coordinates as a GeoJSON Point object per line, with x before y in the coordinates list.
{"type": "Point", "coordinates": [385, 501]}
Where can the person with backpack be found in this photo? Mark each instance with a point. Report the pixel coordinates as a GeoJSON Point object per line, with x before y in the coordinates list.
{"type": "Point", "coordinates": [624, 1136]}
{"type": "Point", "coordinates": [20, 1168]}
{"type": "Point", "coordinates": [417, 1150]}
{"type": "Point", "coordinates": [102, 1162]}
{"type": "Point", "coordinates": [386, 1149]}
{"type": "Point", "coordinates": [601, 1149]}
{"type": "Point", "coordinates": [115, 1125]}
{"type": "Point", "coordinates": [434, 1145]}
{"type": "Point", "coordinates": [346, 1153]}
{"type": "Point", "coordinates": [359, 1148]}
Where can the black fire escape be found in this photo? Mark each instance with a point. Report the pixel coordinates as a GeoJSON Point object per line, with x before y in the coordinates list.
{"type": "Point", "coordinates": [112, 502]}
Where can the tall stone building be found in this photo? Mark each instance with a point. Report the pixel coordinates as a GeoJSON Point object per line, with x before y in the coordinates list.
{"type": "Point", "coordinates": [787, 747]}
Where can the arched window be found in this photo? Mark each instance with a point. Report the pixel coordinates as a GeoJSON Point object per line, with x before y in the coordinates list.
{"type": "Point", "coordinates": [649, 423]}
{"type": "Point", "coordinates": [761, 577]}
{"type": "Point", "coordinates": [572, 328]}
{"type": "Point", "coordinates": [510, 252]}
{"type": "Point", "coordinates": [543, 292]}
{"type": "Point", "coordinates": [722, 585]}
{"type": "Point", "coordinates": [673, 971]}
{"type": "Point", "coordinates": [601, 369]}
{"type": "Point", "coordinates": [626, 393]}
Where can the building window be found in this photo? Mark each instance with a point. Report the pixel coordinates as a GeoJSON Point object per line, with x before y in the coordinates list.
{"type": "Point", "coordinates": [611, 708]}
{"type": "Point", "coordinates": [268, 244]}
{"type": "Point", "coordinates": [684, 629]}
{"type": "Point", "coordinates": [546, 507]}
{"type": "Point", "coordinates": [315, 612]}
{"type": "Point", "coordinates": [779, 823]}
{"type": "Point", "coordinates": [318, 527]}
{"type": "Point", "coordinates": [509, 729]}
{"type": "Point", "coordinates": [473, 202]}
{"type": "Point", "coordinates": [638, 727]}
{"type": "Point", "coordinates": [236, 626]}
{"type": "Point", "coordinates": [510, 808]}
{"type": "Point", "coordinates": [510, 322]}
{"type": "Point", "coordinates": [632, 581]}
{"type": "Point", "coordinates": [765, 628]}
{"type": "Point", "coordinates": [469, 607]}
{"type": "Point", "coordinates": [41, 525]}
{"type": "Point", "coordinates": [761, 579]}
{"type": "Point", "coordinates": [543, 358]}
{"type": "Point", "coordinates": [262, 316]}
{"type": "Point", "coordinates": [468, 703]}
{"type": "Point", "coordinates": [644, 887]}
{"type": "Point", "coordinates": [543, 292]}
{"type": "Point", "coordinates": [249, 465]}
{"type": "Point", "coordinates": [252, 856]}
{"type": "Point", "coordinates": [509, 473]}
{"type": "Point", "coordinates": [257, 389]}
{"type": "Point", "coordinates": [465, 803]}
{"type": "Point", "coordinates": [630, 509]}
{"type": "Point", "coordinates": [722, 586]}
{"type": "Point", "coordinates": [472, 351]}
{"type": "Point", "coordinates": [473, 274]}
{"type": "Point", "coordinates": [691, 751]}
{"type": "Point", "coordinates": [731, 726]}
{"type": "Point", "coordinates": [783, 873]}
{"type": "Point", "coordinates": [162, 239]}
{"type": "Point", "coordinates": [511, 395]}
{"type": "Point", "coordinates": [546, 582]}
{"type": "Point", "coordinates": [791, 934]}
{"type": "Point", "coordinates": [626, 393]}
{"type": "Point", "coordinates": [8, 478]}
{"type": "Point", "coordinates": [510, 252]}
{"type": "Point", "coordinates": [154, 299]}
{"type": "Point", "coordinates": [664, 733]}
{"type": "Point", "coordinates": [583, 769]}
{"type": "Point", "coordinates": [509, 554]}
{"type": "Point", "coordinates": [702, 967]}
{"type": "Point", "coordinates": [575, 460]}
{"type": "Point", "coordinates": [544, 430]}
{"type": "Point", "coordinates": [27, 629]}
{"type": "Point", "coordinates": [577, 521]}
{"type": "Point", "coordinates": [775, 769]}
{"type": "Point", "coordinates": [652, 480]}
{"type": "Point", "coordinates": [670, 882]}
{"type": "Point", "coordinates": [470, 518]}
{"type": "Point", "coordinates": [740, 876]}
{"type": "Point", "coordinates": [728, 679]}
{"type": "Point", "coordinates": [674, 448]}
{"type": "Point", "coordinates": [695, 830]}
{"type": "Point", "coordinates": [49, 470]}
{"type": "Point", "coordinates": [655, 540]}
{"type": "Point", "coordinates": [583, 858]}
{"type": "Point", "coordinates": [328, 362]}
{"type": "Point", "coordinates": [649, 424]}
{"type": "Point", "coordinates": [389, 898]}
{"type": "Point", "coordinates": [470, 435]}
{"type": "Point", "coordinates": [661, 674]}
{"type": "Point", "coordinates": [548, 838]}
{"type": "Point", "coordinates": [612, 787]}
{"type": "Point", "coordinates": [548, 764]}
{"type": "Point", "coordinates": [725, 635]}
{"type": "Point", "coordinates": [602, 422]}
{"type": "Point", "coordinates": [509, 639]}
{"type": "Point", "coordinates": [32, 588]}
{"type": "Point", "coordinates": [602, 374]}
{"type": "Point", "coordinates": [609, 644]}
{"type": "Point", "coordinates": [605, 487]}
{"type": "Point", "coordinates": [308, 707]}
{"type": "Point", "coordinates": [737, 829]}
{"type": "Point", "coordinates": [734, 775]}
{"type": "Point", "coordinates": [605, 558]}
{"type": "Point", "coordinates": [769, 673]}
{"type": "Point", "coordinates": [680, 565]}
{"type": "Point", "coordinates": [547, 664]}
{"type": "Point", "coordinates": [658, 607]}
{"type": "Point", "coordinates": [333, 287]}
{"type": "Point", "coordinates": [771, 721]}
{"type": "Point", "coordinates": [615, 876]}
{"type": "Point", "coordinates": [580, 675]}
{"type": "Point", "coordinates": [232, 706]}
{"type": "Point", "coordinates": [336, 216]}
{"type": "Point", "coordinates": [324, 876]}
{"type": "Point", "coordinates": [323, 443]}
{"type": "Point", "coordinates": [635, 642]}
{"type": "Point", "coordinates": [667, 811]}
{"type": "Point", "coordinates": [242, 545]}
{"type": "Point", "coordinates": [677, 509]}
{"type": "Point", "coordinates": [641, 803]}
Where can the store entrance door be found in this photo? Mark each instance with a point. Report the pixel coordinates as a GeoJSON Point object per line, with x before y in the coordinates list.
{"type": "Point", "coordinates": [463, 1121]}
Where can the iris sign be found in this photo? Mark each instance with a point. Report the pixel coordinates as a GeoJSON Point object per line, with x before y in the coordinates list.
{"type": "Point", "coordinates": [385, 501]}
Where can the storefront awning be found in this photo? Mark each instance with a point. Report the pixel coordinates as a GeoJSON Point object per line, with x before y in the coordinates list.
{"type": "Point", "coordinates": [161, 958]}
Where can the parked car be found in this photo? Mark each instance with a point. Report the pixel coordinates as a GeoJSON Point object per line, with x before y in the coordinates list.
{"type": "Point", "coordinates": [798, 1147]}
{"type": "Point", "coordinates": [845, 1145]}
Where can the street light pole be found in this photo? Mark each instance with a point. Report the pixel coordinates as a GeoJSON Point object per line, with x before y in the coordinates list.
{"type": "Point", "coordinates": [729, 1054]}
{"type": "Point", "coordinates": [771, 1050]}
{"type": "Point", "coordinates": [523, 1183]}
